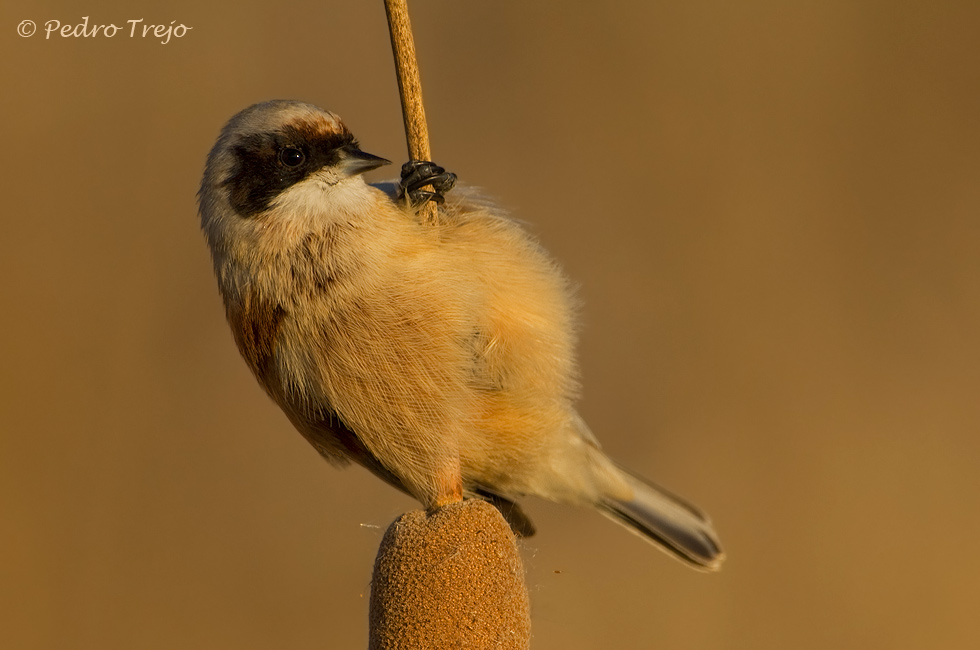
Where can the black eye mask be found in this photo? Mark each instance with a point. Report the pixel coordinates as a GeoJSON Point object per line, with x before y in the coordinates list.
{"type": "Point", "coordinates": [267, 164]}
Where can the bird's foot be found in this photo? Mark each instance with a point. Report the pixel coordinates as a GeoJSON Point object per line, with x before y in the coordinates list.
{"type": "Point", "coordinates": [417, 174]}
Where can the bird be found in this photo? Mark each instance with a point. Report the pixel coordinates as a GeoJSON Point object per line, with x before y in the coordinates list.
{"type": "Point", "coordinates": [441, 357]}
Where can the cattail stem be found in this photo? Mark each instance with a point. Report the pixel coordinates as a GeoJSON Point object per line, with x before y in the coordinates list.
{"type": "Point", "coordinates": [410, 90]}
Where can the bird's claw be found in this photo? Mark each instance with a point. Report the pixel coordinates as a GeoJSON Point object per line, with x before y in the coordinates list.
{"type": "Point", "coordinates": [417, 174]}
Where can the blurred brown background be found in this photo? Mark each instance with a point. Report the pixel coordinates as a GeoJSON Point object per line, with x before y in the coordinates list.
{"type": "Point", "coordinates": [773, 214]}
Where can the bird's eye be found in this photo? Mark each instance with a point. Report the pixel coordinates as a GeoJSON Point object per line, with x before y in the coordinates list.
{"type": "Point", "coordinates": [291, 157]}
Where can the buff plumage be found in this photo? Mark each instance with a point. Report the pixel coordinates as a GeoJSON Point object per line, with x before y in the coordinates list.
{"type": "Point", "coordinates": [440, 357]}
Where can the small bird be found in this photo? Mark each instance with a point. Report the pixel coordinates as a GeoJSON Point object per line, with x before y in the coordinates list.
{"type": "Point", "coordinates": [438, 356]}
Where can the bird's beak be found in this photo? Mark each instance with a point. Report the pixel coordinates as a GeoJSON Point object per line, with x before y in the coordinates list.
{"type": "Point", "coordinates": [356, 161]}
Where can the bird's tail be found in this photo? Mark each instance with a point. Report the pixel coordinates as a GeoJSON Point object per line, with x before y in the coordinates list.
{"type": "Point", "coordinates": [667, 521]}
